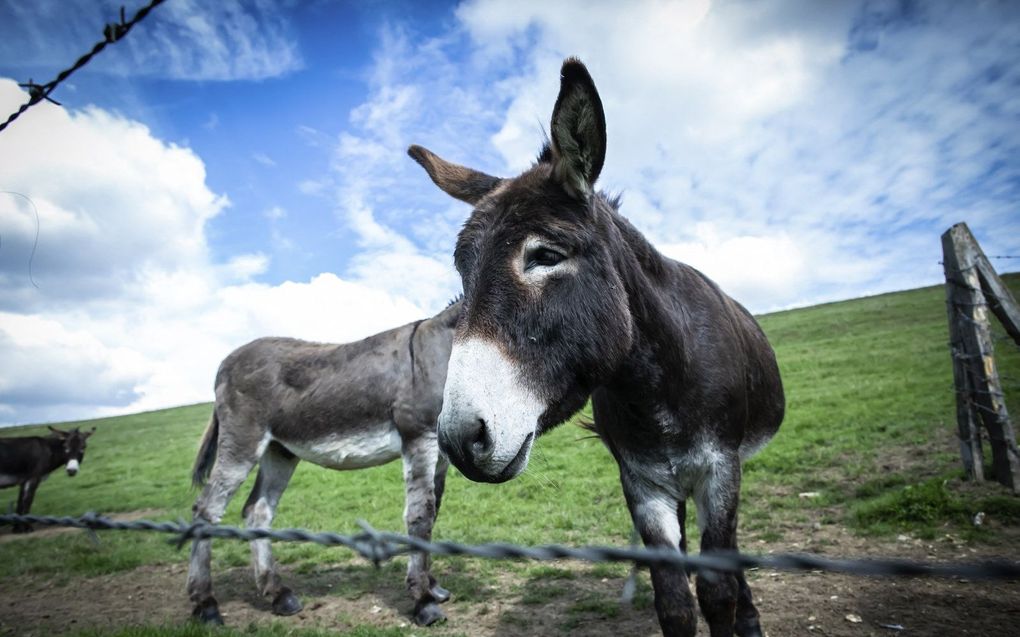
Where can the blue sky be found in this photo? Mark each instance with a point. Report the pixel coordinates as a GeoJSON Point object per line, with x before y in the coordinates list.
{"type": "Point", "coordinates": [236, 169]}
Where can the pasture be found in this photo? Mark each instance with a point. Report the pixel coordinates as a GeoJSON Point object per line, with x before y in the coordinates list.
{"type": "Point", "coordinates": [865, 464]}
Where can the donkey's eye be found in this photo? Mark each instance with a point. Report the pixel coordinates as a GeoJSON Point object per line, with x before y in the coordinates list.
{"type": "Point", "coordinates": [543, 257]}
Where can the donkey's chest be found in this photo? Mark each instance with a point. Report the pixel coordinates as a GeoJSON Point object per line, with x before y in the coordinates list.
{"type": "Point", "coordinates": [368, 447]}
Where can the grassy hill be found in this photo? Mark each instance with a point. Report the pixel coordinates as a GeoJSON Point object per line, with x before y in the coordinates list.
{"type": "Point", "coordinates": [870, 429]}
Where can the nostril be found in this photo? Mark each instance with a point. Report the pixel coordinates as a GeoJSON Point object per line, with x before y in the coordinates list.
{"type": "Point", "coordinates": [481, 446]}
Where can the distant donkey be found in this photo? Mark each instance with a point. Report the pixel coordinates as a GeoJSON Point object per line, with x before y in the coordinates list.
{"type": "Point", "coordinates": [27, 461]}
{"type": "Point", "coordinates": [565, 299]}
{"type": "Point", "coordinates": [351, 406]}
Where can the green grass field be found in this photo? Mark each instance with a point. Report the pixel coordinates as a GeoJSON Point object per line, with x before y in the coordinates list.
{"type": "Point", "coordinates": [870, 427]}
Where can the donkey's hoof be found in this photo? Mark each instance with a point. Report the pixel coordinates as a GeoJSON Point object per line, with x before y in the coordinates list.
{"type": "Point", "coordinates": [286, 603]}
{"type": "Point", "coordinates": [208, 613]}
{"type": "Point", "coordinates": [428, 614]}
{"type": "Point", "coordinates": [747, 628]}
{"type": "Point", "coordinates": [439, 593]}
{"type": "Point", "coordinates": [22, 528]}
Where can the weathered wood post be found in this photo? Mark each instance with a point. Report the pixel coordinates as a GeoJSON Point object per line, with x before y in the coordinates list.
{"type": "Point", "coordinates": [972, 288]}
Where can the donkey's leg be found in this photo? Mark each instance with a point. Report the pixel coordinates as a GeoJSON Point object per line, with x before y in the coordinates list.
{"type": "Point", "coordinates": [747, 624]}
{"type": "Point", "coordinates": [420, 456]}
{"type": "Point", "coordinates": [25, 496]}
{"type": "Point", "coordinates": [681, 516]}
{"type": "Point", "coordinates": [233, 463]}
{"type": "Point", "coordinates": [717, 497]}
{"type": "Point", "coordinates": [275, 469]}
{"type": "Point", "coordinates": [438, 592]}
{"type": "Point", "coordinates": [655, 516]}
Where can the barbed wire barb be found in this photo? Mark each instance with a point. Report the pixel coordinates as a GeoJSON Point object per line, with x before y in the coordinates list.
{"type": "Point", "coordinates": [112, 32]}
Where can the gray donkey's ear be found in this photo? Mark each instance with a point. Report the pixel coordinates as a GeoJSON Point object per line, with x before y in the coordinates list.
{"type": "Point", "coordinates": [578, 131]}
{"type": "Point", "coordinates": [463, 183]}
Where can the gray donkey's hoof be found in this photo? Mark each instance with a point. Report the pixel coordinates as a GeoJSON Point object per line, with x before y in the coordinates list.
{"type": "Point", "coordinates": [286, 603]}
{"type": "Point", "coordinates": [439, 593]}
{"type": "Point", "coordinates": [429, 613]}
{"type": "Point", "coordinates": [208, 612]}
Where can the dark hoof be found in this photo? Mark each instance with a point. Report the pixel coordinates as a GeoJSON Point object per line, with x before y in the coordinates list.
{"type": "Point", "coordinates": [439, 593]}
{"type": "Point", "coordinates": [748, 628]}
{"type": "Point", "coordinates": [429, 614]}
{"type": "Point", "coordinates": [208, 613]}
{"type": "Point", "coordinates": [23, 528]}
{"type": "Point", "coordinates": [286, 603]}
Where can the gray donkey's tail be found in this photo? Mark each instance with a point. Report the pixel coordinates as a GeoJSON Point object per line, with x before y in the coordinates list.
{"type": "Point", "coordinates": [206, 452]}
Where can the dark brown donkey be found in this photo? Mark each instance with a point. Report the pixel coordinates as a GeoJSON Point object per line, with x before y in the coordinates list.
{"type": "Point", "coordinates": [351, 406]}
{"type": "Point", "coordinates": [564, 299]}
{"type": "Point", "coordinates": [27, 461]}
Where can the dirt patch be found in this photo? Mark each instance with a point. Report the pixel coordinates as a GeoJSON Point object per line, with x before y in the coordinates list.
{"type": "Point", "coordinates": [570, 599]}
{"type": "Point", "coordinates": [53, 531]}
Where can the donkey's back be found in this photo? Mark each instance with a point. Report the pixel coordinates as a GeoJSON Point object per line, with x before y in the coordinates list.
{"type": "Point", "coordinates": [297, 390]}
{"type": "Point", "coordinates": [336, 405]}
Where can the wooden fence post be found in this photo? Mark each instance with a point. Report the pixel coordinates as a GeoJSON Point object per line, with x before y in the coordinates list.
{"type": "Point", "coordinates": [972, 288]}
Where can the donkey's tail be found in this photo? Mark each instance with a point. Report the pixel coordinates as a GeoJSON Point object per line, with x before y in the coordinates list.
{"type": "Point", "coordinates": [206, 452]}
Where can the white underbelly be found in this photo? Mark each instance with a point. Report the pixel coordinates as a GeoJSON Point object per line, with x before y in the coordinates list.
{"type": "Point", "coordinates": [9, 480]}
{"type": "Point", "coordinates": [366, 448]}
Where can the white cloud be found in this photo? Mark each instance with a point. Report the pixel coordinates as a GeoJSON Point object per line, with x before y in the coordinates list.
{"type": "Point", "coordinates": [755, 269]}
{"type": "Point", "coordinates": [848, 136]}
{"type": "Point", "coordinates": [378, 190]}
{"type": "Point", "coordinates": [183, 39]}
{"type": "Point", "coordinates": [130, 311]}
{"type": "Point", "coordinates": [264, 159]}
{"type": "Point", "coordinates": [113, 202]}
{"type": "Point", "coordinates": [41, 354]}
{"type": "Point", "coordinates": [274, 213]}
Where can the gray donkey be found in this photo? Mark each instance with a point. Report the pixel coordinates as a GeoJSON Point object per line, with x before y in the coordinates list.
{"type": "Point", "coordinates": [350, 406]}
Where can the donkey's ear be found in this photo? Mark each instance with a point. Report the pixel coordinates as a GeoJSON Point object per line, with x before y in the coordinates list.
{"type": "Point", "coordinates": [62, 434]}
{"type": "Point", "coordinates": [578, 130]}
{"type": "Point", "coordinates": [89, 432]}
{"type": "Point", "coordinates": [457, 181]}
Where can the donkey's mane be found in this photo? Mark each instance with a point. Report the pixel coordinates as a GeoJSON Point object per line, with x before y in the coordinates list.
{"type": "Point", "coordinates": [456, 299]}
{"type": "Point", "coordinates": [545, 155]}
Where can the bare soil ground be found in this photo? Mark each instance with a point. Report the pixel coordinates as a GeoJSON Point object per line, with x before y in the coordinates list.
{"type": "Point", "coordinates": [340, 596]}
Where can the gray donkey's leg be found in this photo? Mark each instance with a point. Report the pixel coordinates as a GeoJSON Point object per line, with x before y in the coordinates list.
{"type": "Point", "coordinates": [234, 460]}
{"type": "Point", "coordinates": [421, 455]}
{"type": "Point", "coordinates": [438, 592]}
{"type": "Point", "coordinates": [275, 469]}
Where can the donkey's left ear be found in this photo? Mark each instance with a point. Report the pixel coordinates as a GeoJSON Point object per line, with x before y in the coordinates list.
{"type": "Point", "coordinates": [62, 434]}
{"type": "Point", "coordinates": [578, 131]}
{"type": "Point", "coordinates": [89, 432]}
{"type": "Point", "coordinates": [467, 184]}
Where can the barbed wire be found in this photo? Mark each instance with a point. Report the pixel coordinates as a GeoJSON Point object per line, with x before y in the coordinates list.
{"type": "Point", "coordinates": [379, 547]}
{"type": "Point", "coordinates": [112, 32]}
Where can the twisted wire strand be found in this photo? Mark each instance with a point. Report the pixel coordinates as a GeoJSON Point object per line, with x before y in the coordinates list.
{"type": "Point", "coordinates": [111, 33]}
{"type": "Point", "coordinates": [381, 546]}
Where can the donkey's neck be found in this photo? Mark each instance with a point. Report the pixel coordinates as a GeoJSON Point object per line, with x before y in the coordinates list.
{"type": "Point", "coordinates": [58, 455]}
{"type": "Point", "coordinates": [659, 336]}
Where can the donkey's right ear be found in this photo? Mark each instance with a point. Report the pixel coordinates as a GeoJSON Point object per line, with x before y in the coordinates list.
{"type": "Point", "coordinates": [62, 434]}
{"type": "Point", "coordinates": [578, 131]}
{"type": "Point", "coordinates": [460, 182]}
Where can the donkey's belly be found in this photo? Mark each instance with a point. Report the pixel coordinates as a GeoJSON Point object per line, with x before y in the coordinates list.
{"type": "Point", "coordinates": [355, 450]}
